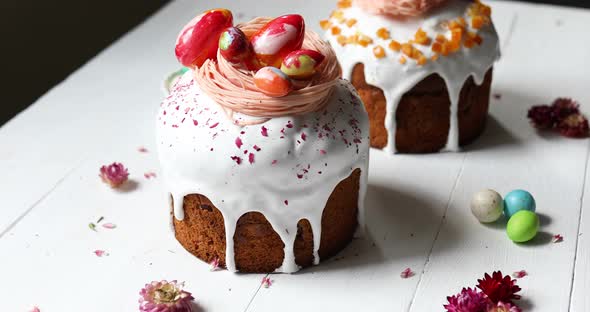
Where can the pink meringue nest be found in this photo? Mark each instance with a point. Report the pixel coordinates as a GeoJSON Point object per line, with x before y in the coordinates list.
{"type": "Point", "coordinates": [397, 7]}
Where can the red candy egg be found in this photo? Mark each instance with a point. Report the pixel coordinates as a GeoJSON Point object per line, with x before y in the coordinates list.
{"type": "Point", "coordinates": [301, 64]}
{"type": "Point", "coordinates": [278, 38]}
{"type": "Point", "coordinates": [235, 47]}
{"type": "Point", "coordinates": [198, 40]}
{"type": "Point", "coordinates": [273, 82]}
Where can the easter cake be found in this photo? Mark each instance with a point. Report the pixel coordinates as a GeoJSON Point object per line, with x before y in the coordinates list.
{"type": "Point", "coordinates": [423, 68]}
{"type": "Point", "coordinates": [263, 147]}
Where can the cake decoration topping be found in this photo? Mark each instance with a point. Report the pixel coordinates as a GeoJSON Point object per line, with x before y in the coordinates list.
{"type": "Point", "coordinates": [301, 64]}
{"type": "Point", "coordinates": [563, 116]}
{"type": "Point", "coordinates": [235, 48]}
{"type": "Point", "coordinates": [557, 238]}
{"type": "Point", "coordinates": [520, 274]}
{"type": "Point", "coordinates": [198, 40]}
{"type": "Point", "coordinates": [165, 296]}
{"type": "Point", "coordinates": [270, 93]}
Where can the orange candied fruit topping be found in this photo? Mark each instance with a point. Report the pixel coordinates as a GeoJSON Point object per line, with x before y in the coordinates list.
{"type": "Point", "coordinates": [379, 51]}
{"type": "Point", "coordinates": [421, 60]}
{"type": "Point", "coordinates": [477, 22]}
{"type": "Point", "coordinates": [472, 39]}
{"type": "Point", "coordinates": [325, 24]}
{"type": "Point", "coordinates": [421, 37]}
{"type": "Point", "coordinates": [342, 40]}
{"type": "Point", "coordinates": [402, 60]}
{"type": "Point", "coordinates": [407, 49]}
{"type": "Point", "coordinates": [338, 15]}
{"type": "Point", "coordinates": [343, 4]}
{"type": "Point", "coordinates": [457, 34]}
{"type": "Point", "coordinates": [395, 46]}
{"type": "Point", "coordinates": [383, 33]}
{"type": "Point", "coordinates": [434, 57]}
{"type": "Point", "coordinates": [364, 40]}
{"type": "Point", "coordinates": [351, 22]}
{"type": "Point", "coordinates": [336, 30]}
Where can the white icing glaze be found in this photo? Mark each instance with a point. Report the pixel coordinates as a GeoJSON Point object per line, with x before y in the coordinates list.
{"type": "Point", "coordinates": [295, 167]}
{"type": "Point", "coordinates": [395, 79]}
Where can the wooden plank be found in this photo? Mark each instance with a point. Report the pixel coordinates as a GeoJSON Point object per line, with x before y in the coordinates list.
{"type": "Point", "coordinates": [512, 155]}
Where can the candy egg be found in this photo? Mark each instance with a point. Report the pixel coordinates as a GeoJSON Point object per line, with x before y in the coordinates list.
{"type": "Point", "coordinates": [518, 200]}
{"type": "Point", "coordinates": [198, 40]}
{"type": "Point", "coordinates": [523, 226]}
{"type": "Point", "coordinates": [273, 82]}
{"type": "Point", "coordinates": [301, 64]}
{"type": "Point", "coordinates": [277, 38]}
{"type": "Point", "coordinates": [487, 206]}
{"type": "Point", "coordinates": [234, 45]}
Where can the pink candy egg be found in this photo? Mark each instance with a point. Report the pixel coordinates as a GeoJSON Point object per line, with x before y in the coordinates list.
{"type": "Point", "coordinates": [301, 64]}
{"type": "Point", "coordinates": [277, 38]}
{"type": "Point", "coordinates": [198, 40]}
{"type": "Point", "coordinates": [273, 82]}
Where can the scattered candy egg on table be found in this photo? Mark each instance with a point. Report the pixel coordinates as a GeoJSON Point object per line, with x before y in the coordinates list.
{"type": "Point", "coordinates": [273, 82]}
{"type": "Point", "coordinates": [278, 38]}
{"type": "Point", "coordinates": [518, 200]}
{"type": "Point", "coordinates": [234, 46]}
{"type": "Point", "coordinates": [301, 64]}
{"type": "Point", "coordinates": [487, 206]}
{"type": "Point", "coordinates": [198, 40]}
{"type": "Point", "coordinates": [523, 226]}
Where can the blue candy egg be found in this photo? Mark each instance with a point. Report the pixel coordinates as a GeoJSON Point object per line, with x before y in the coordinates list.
{"type": "Point", "coordinates": [518, 200]}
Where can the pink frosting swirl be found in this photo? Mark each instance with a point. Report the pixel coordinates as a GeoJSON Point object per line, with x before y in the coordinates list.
{"type": "Point", "coordinates": [398, 7]}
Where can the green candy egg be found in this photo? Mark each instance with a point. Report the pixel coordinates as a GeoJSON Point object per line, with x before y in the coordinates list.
{"type": "Point", "coordinates": [522, 226]}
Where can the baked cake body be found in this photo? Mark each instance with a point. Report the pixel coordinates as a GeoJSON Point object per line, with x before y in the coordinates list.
{"type": "Point", "coordinates": [425, 80]}
{"type": "Point", "coordinates": [264, 185]}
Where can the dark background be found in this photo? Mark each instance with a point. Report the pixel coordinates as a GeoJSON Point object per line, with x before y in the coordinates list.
{"type": "Point", "coordinates": [53, 38]}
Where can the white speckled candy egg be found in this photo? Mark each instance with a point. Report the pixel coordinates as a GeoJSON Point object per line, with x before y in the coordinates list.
{"type": "Point", "coordinates": [487, 206]}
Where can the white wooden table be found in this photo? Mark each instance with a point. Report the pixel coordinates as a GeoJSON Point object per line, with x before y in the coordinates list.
{"type": "Point", "coordinates": [418, 206]}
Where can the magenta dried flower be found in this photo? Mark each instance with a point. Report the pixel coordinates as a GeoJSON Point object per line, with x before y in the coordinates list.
{"type": "Point", "coordinates": [574, 126]}
{"type": "Point", "coordinates": [469, 300]}
{"type": "Point", "coordinates": [563, 107]}
{"type": "Point", "coordinates": [165, 296]}
{"type": "Point", "coordinates": [541, 117]}
{"type": "Point", "coordinates": [503, 307]}
{"type": "Point", "coordinates": [114, 174]}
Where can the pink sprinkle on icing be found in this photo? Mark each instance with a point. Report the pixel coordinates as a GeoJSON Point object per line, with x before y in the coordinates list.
{"type": "Point", "coordinates": [214, 125]}
{"type": "Point", "coordinates": [289, 125]}
{"type": "Point", "coordinates": [286, 202]}
{"type": "Point", "coordinates": [256, 148]}
{"type": "Point", "coordinates": [239, 142]}
{"type": "Point", "coordinates": [323, 152]}
{"type": "Point", "coordinates": [303, 136]}
{"type": "Point", "coordinates": [264, 131]}
{"type": "Point", "coordinates": [251, 158]}
{"type": "Point", "coordinates": [35, 309]}
{"type": "Point", "coordinates": [557, 238]}
{"type": "Point", "coordinates": [100, 253]}
{"type": "Point", "coordinates": [195, 122]}
{"type": "Point", "coordinates": [237, 159]}
{"type": "Point", "coordinates": [407, 273]}
{"type": "Point", "coordinates": [274, 162]}
{"type": "Point", "coordinates": [142, 149]}
{"type": "Point", "coordinates": [520, 274]}
{"type": "Point", "coordinates": [149, 175]}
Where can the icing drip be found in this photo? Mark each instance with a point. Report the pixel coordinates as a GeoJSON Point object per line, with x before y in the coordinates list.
{"type": "Point", "coordinates": [394, 78]}
{"type": "Point", "coordinates": [296, 161]}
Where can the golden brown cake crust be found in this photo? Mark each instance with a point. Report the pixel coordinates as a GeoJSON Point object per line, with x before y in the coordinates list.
{"type": "Point", "coordinates": [258, 248]}
{"type": "Point", "coordinates": [422, 117]}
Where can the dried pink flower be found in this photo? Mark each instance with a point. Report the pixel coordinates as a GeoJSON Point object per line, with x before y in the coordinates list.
{"type": "Point", "coordinates": [149, 175]}
{"type": "Point", "coordinates": [503, 307]}
{"type": "Point", "coordinates": [165, 296]}
{"type": "Point", "coordinates": [35, 309]}
{"type": "Point", "coordinates": [109, 226]}
{"type": "Point", "coordinates": [541, 117]}
{"type": "Point", "coordinates": [407, 273]}
{"type": "Point", "coordinates": [574, 126]}
{"type": "Point", "coordinates": [266, 282]}
{"type": "Point", "coordinates": [520, 274]}
{"type": "Point", "coordinates": [100, 253]}
{"type": "Point", "coordinates": [563, 107]}
{"type": "Point", "coordinates": [214, 265]}
{"type": "Point", "coordinates": [469, 300]}
{"type": "Point", "coordinates": [142, 149]}
{"type": "Point", "coordinates": [557, 238]}
{"type": "Point", "coordinates": [114, 174]}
